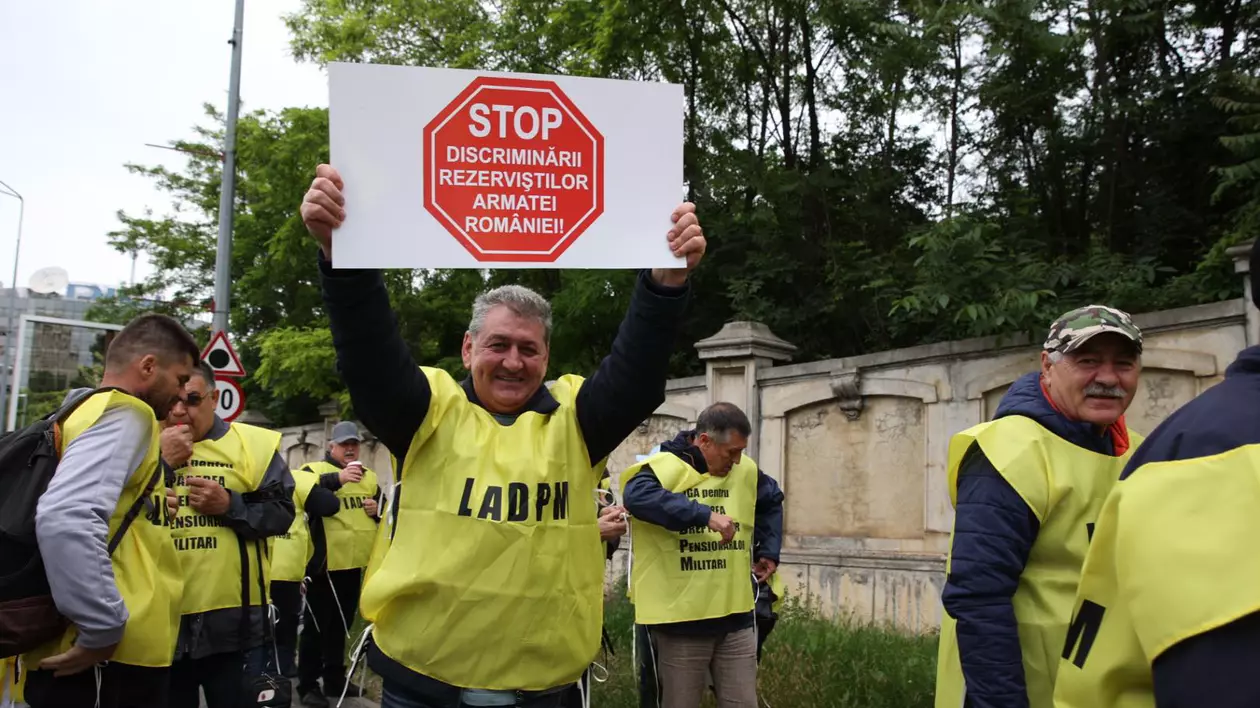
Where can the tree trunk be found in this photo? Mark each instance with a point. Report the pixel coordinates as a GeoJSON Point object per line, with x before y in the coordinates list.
{"type": "Point", "coordinates": [955, 46]}
{"type": "Point", "coordinates": [811, 81]}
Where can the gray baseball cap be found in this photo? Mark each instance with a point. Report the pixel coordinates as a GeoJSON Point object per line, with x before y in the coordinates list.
{"type": "Point", "coordinates": [345, 431]}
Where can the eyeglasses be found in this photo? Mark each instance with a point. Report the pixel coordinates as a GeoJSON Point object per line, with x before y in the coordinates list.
{"type": "Point", "coordinates": [192, 400]}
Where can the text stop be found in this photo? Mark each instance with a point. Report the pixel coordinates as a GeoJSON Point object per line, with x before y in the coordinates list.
{"type": "Point", "coordinates": [513, 170]}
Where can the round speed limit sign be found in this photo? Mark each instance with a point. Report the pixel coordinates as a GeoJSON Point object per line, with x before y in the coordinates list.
{"type": "Point", "coordinates": [231, 399]}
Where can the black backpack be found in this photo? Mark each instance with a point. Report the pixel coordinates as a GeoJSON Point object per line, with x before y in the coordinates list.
{"type": "Point", "coordinates": [28, 460]}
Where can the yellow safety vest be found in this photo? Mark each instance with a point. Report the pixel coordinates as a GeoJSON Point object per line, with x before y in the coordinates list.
{"type": "Point", "coordinates": [679, 577]}
{"type": "Point", "coordinates": [292, 550]}
{"type": "Point", "coordinates": [494, 576]}
{"type": "Point", "coordinates": [385, 529]}
{"type": "Point", "coordinates": [350, 532]}
{"type": "Point", "coordinates": [209, 550]}
{"type": "Point", "coordinates": [1064, 485]}
{"type": "Point", "coordinates": [12, 679]}
{"type": "Point", "coordinates": [1170, 560]}
{"type": "Point", "coordinates": [146, 567]}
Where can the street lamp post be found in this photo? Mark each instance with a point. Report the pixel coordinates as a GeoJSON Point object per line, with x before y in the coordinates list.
{"type": "Point", "coordinates": [8, 341]}
{"type": "Point", "coordinates": [227, 193]}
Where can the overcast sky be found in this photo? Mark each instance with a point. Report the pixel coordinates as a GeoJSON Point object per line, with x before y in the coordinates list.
{"type": "Point", "coordinates": [85, 84]}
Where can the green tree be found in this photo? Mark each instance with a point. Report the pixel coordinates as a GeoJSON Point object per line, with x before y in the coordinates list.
{"type": "Point", "coordinates": [871, 175]}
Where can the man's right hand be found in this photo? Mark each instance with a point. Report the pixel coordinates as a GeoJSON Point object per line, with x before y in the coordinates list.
{"type": "Point", "coordinates": [323, 207]}
{"type": "Point", "coordinates": [76, 659]}
{"type": "Point", "coordinates": [177, 445]}
{"type": "Point", "coordinates": [723, 525]}
{"type": "Point", "coordinates": [352, 473]}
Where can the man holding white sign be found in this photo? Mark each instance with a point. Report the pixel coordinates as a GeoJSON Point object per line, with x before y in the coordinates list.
{"type": "Point", "coordinates": [490, 591]}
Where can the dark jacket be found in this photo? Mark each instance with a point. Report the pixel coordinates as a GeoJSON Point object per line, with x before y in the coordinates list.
{"type": "Point", "coordinates": [391, 395]}
{"type": "Point", "coordinates": [329, 483]}
{"type": "Point", "coordinates": [254, 516]}
{"type": "Point", "coordinates": [320, 502]}
{"type": "Point", "coordinates": [1216, 668]}
{"type": "Point", "coordinates": [994, 530]}
{"type": "Point", "coordinates": [648, 501]}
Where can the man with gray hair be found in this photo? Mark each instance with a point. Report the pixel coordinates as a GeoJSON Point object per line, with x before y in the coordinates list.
{"type": "Point", "coordinates": [489, 590]}
{"type": "Point", "coordinates": [1027, 488]}
{"type": "Point", "coordinates": [702, 516]}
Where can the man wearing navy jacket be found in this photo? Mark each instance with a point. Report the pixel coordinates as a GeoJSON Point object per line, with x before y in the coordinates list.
{"type": "Point", "coordinates": [1027, 488]}
{"type": "Point", "coordinates": [1168, 610]}
{"type": "Point", "coordinates": [697, 643]}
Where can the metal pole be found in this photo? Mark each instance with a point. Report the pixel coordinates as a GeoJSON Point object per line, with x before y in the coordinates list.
{"type": "Point", "coordinates": [13, 400]}
{"type": "Point", "coordinates": [8, 336]}
{"type": "Point", "coordinates": [227, 196]}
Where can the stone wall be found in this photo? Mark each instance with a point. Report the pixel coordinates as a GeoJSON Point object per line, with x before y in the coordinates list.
{"type": "Point", "coordinates": [859, 444]}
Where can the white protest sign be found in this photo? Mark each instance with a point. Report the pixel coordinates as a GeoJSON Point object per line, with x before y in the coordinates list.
{"type": "Point", "coordinates": [448, 168]}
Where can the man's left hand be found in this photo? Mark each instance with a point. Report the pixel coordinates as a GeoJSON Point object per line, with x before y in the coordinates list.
{"type": "Point", "coordinates": [764, 568]}
{"type": "Point", "coordinates": [207, 497]}
{"type": "Point", "coordinates": [76, 659]}
{"type": "Point", "coordinates": [369, 506]}
{"type": "Point", "coordinates": [686, 240]}
{"type": "Point", "coordinates": [612, 523]}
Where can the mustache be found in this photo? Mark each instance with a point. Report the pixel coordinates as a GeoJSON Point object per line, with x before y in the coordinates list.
{"type": "Point", "coordinates": [1097, 390]}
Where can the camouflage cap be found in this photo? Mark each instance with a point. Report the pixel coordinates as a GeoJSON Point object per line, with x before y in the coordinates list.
{"type": "Point", "coordinates": [1076, 327]}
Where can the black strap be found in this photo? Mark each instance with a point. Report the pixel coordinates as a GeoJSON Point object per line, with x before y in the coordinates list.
{"type": "Point", "coordinates": [135, 508]}
{"type": "Point", "coordinates": [244, 628]}
{"type": "Point", "coordinates": [59, 416]}
{"type": "Point", "coordinates": [262, 595]}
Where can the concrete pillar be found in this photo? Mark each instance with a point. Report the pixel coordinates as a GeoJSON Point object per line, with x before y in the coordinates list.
{"type": "Point", "coordinates": [733, 357]}
{"type": "Point", "coordinates": [330, 411]}
{"type": "Point", "coordinates": [1242, 257]}
{"type": "Point", "coordinates": [250, 416]}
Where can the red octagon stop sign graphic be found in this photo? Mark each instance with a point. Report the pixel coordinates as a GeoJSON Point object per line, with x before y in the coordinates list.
{"type": "Point", "coordinates": [513, 170]}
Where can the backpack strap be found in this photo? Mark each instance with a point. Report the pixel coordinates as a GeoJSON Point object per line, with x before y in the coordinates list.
{"type": "Point", "coordinates": [243, 632]}
{"type": "Point", "coordinates": [135, 508]}
{"type": "Point", "coordinates": [262, 593]}
{"type": "Point", "coordinates": [58, 417]}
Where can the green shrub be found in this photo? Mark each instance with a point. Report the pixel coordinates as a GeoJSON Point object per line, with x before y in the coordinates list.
{"type": "Point", "coordinates": [808, 661]}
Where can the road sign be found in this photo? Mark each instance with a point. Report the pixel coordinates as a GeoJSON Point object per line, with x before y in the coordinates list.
{"type": "Point", "coordinates": [221, 357]}
{"type": "Point", "coordinates": [513, 170]}
{"type": "Point", "coordinates": [231, 398]}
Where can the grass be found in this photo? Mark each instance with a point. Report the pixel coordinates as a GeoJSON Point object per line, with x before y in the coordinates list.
{"type": "Point", "coordinates": [808, 661]}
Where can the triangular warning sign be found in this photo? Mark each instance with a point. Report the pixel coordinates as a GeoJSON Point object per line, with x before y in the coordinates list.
{"type": "Point", "coordinates": [221, 357]}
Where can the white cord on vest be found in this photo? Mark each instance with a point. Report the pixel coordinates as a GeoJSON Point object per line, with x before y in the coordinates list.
{"type": "Point", "coordinates": [756, 629]}
{"type": "Point", "coordinates": [307, 606]}
{"type": "Point", "coordinates": [273, 615]}
{"type": "Point", "coordinates": [97, 670]}
{"type": "Point", "coordinates": [584, 688]}
{"type": "Point", "coordinates": [337, 601]}
{"type": "Point", "coordinates": [656, 673]}
{"type": "Point", "coordinates": [354, 661]}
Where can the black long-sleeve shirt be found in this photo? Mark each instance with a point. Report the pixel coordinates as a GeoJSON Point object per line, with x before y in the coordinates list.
{"type": "Point", "coordinates": [391, 395]}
